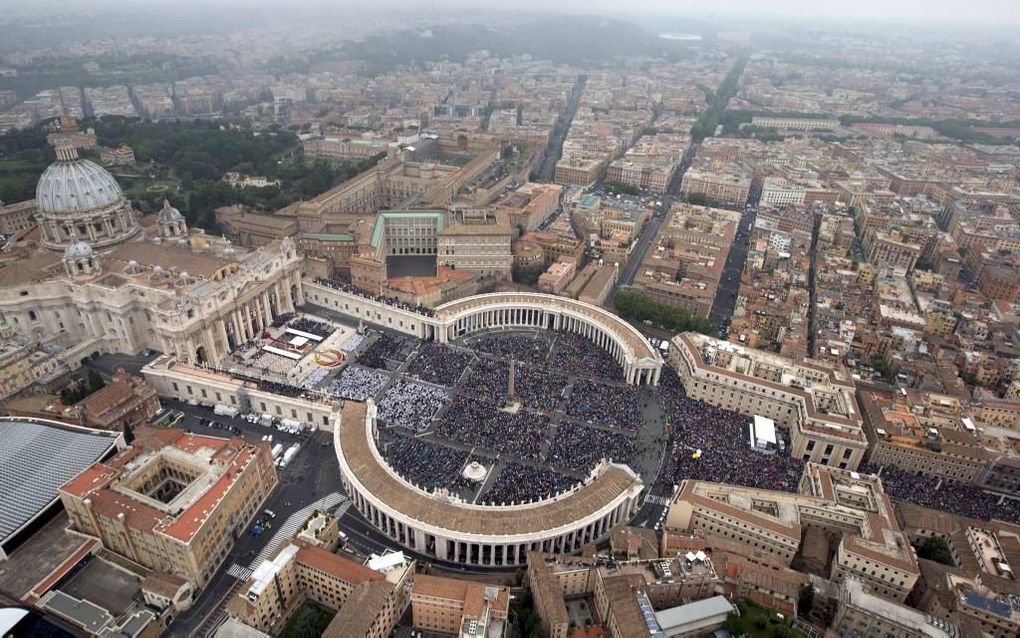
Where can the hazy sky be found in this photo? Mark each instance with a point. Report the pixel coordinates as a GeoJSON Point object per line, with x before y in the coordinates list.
{"type": "Point", "coordinates": [998, 12]}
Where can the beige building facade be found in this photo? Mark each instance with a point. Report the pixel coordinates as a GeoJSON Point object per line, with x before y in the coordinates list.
{"type": "Point", "coordinates": [173, 501]}
{"type": "Point", "coordinates": [815, 402]}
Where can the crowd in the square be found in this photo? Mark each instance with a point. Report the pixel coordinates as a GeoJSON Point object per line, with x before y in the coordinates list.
{"type": "Point", "coordinates": [315, 378]}
{"type": "Point", "coordinates": [352, 342]}
{"type": "Point", "coordinates": [519, 483]}
{"type": "Point", "coordinates": [613, 405]}
{"type": "Point", "coordinates": [712, 444]}
{"type": "Point", "coordinates": [474, 423]}
{"type": "Point", "coordinates": [575, 355]}
{"type": "Point", "coordinates": [356, 383]}
{"type": "Point", "coordinates": [387, 352]}
{"type": "Point", "coordinates": [423, 463]}
{"type": "Point", "coordinates": [579, 447]}
{"type": "Point", "coordinates": [410, 405]}
{"type": "Point", "coordinates": [525, 348]}
{"type": "Point", "coordinates": [944, 494]}
{"type": "Point", "coordinates": [272, 362]}
{"type": "Point", "coordinates": [436, 363]}
{"type": "Point", "coordinates": [311, 326]}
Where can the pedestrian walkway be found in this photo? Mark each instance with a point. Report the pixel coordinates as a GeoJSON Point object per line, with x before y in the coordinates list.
{"type": "Point", "coordinates": [287, 530]}
{"type": "Point", "coordinates": [239, 572]}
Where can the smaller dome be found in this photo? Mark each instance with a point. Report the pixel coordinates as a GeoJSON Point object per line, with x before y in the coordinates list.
{"type": "Point", "coordinates": [78, 250]}
{"type": "Point", "coordinates": [168, 214]}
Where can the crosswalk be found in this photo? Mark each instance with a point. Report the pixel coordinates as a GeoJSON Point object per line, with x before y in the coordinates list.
{"type": "Point", "coordinates": [342, 509]}
{"type": "Point", "coordinates": [658, 500]}
{"type": "Point", "coordinates": [287, 529]}
{"type": "Point", "coordinates": [239, 572]}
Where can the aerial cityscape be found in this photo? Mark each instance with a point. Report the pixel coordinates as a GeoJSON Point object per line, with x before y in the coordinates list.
{"type": "Point", "coordinates": [509, 320]}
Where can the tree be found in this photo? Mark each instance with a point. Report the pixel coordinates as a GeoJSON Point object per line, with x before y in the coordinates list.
{"type": "Point", "coordinates": [625, 189]}
{"type": "Point", "coordinates": [94, 381]}
{"type": "Point", "coordinates": [129, 433]}
{"type": "Point", "coordinates": [937, 549]}
{"type": "Point", "coordinates": [634, 305]}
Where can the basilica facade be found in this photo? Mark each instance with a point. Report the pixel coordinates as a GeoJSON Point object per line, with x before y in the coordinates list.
{"type": "Point", "coordinates": [112, 280]}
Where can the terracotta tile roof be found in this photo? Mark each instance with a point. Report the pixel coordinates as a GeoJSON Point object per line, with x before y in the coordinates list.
{"type": "Point", "coordinates": [791, 531]}
{"type": "Point", "coordinates": [191, 520]}
{"type": "Point", "coordinates": [192, 443]}
{"type": "Point", "coordinates": [440, 587]}
{"type": "Point", "coordinates": [137, 515]}
{"type": "Point", "coordinates": [546, 589]}
{"type": "Point", "coordinates": [335, 565]}
{"type": "Point", "coordinates": [361, 611]}
{"type": "Point", "coordinates": [94, 477]}
{"type": "Point", "coordinates": [163, 584]}
{"type": "Point", "coordinates": [107, 397]}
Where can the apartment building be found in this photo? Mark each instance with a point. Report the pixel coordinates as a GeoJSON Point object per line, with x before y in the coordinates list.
{"type": "Point", "coordinates": [477, 240]}
{"type": "Point", "coordinates": [768, 525]}
{"type": "Point", "coordinates": [555, 279]}
{"type": "Point", "coordinates": [979, 591]}
{"type": "Point", "coordinates": [17, 216]}
{"type": "Point", "coordinates": [172, 501]}
{"type": "Point", "coordinates": [724, 187]}
{"type": "Point", "coordinates": [622, 591]}
{"type": "Point", "coordinates": [814, 401]}
{"type": "Point", "coordinates": [531, 204]}
{"type": "Point", "coordinates": [795, 123]}
{"type": "Point", "coordinates": [900, 437]}
{"type": "Point", "coordinates": [684, 269]}
{"type": "Point", "coordinates": [368, 598]}
{"type": "Point", "coordinates": [861, 613]}
{"type": "Point", "coordinates": [462, 608]}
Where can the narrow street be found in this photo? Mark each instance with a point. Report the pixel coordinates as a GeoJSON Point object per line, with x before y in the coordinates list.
{"type": "Point", "coordinates": [651, 229]}
{"type": "Point", "coordinates": [559, 133]}
{"type": "Point", "coordinates": [729, 285]}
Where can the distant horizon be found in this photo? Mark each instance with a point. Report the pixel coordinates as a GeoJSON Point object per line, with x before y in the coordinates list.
{"type": "Point", "coordinates": [926, 13]}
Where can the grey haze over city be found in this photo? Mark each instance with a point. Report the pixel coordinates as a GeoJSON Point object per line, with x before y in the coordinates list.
{"type": "Point", "coordinates": [512, 319]}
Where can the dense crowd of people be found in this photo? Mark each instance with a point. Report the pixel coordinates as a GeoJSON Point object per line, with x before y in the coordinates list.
{"type": "Point", "coordinates": [316, 377]}
{"type": "Point", "coordinates": [612, 405]}
{"type": "Point", "coordinates": [387, 352]}
{"type": "Point", "coordinates": [576, 355]}
{"type": "Point", "coordinates": [472, 422]}
{"type": "Point", "coordinates": [950, 496]}
{"type": "Point", "coordinates": [281, 320]}
{"type": "Point", "coordinates": [423, 463]}
{"type": "Point", "coordinates": [518, 483]}
{"type": "Point", "coordinates": [536, 388]}
{"type": "Point", "coordinates": [345, 286]}
{"type": "Point", "coordinates": [525, 348]}
{"type": "Point", "coordinates": [356, 383]}
{"type": "Point", "coordinates": [352, 342]}
{"type": "Point", "coordinates": [411, 405]}
{"type": "Point", "coordinates": [271, 362]}
{"type": "Point", "coordinates": [722, 437]}
{"type": "Point", "coordinates": [579, 447]}
{"type": "Point", "coordinates": [436, 363]}
{"type": "Point", "coordinates": [311, 326]}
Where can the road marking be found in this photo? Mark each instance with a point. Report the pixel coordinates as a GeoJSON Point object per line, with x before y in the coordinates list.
{"type": "Point", "coordinates": [239, 572]}
{"type": "Point", "coordinates": [293, 522]}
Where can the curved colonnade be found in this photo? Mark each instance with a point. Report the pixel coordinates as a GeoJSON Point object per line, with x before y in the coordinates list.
{"type": "Point", "coordinates": [641, 361]}
{"type": "Point", "coordinates": [447, 529]}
